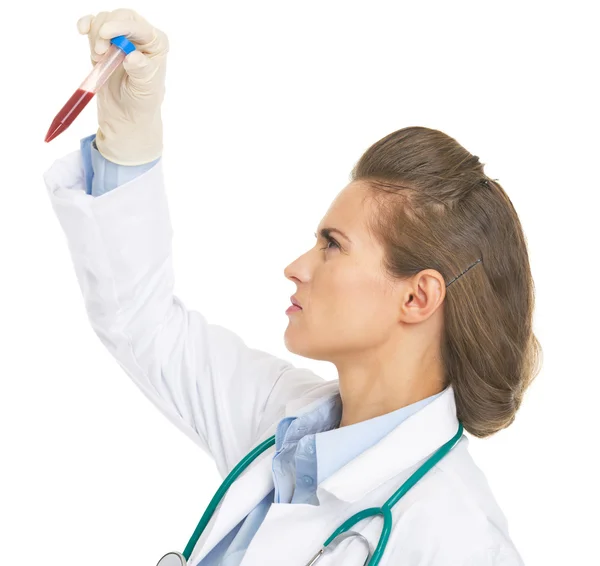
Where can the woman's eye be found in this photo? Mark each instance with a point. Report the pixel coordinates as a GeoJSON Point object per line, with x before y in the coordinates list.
{"type": "Point", "coordinates": [331, 241]}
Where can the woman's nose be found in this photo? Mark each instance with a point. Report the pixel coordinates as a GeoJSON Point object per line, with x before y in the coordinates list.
{"type": "Point", "coordinates": [288, 272]}
{"type": "Point", "coordinates": [300, 269]}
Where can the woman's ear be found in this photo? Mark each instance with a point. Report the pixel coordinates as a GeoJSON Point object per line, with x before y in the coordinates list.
{"type": "Point", "coordinates": [423, 295]}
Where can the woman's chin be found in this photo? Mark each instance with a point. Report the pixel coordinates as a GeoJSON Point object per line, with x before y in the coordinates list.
{"type": "Point", "coordinates": [298, 343]}
{"type": "Point", "coordinates": [295, 341]}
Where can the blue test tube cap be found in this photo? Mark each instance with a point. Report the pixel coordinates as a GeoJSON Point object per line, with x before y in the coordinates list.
{"type": "Point", "coordinates": [123, 43]}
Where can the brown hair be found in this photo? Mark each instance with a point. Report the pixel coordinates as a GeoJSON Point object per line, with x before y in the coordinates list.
{"type": "Point", "coordinates": [436, 209]}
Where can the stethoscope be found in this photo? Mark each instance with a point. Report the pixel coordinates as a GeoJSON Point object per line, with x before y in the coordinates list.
{"type": "Point", "coordinates": [342, 532]}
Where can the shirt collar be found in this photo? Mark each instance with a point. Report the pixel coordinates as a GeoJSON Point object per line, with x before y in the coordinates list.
{"type": "Point", "coordinates": [322, 415]}
{"type": "Point", "coordinates": [336, 447]}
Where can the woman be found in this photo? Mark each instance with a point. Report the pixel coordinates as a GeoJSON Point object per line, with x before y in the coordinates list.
{"type": "Point", "coordinates": [418, 289]}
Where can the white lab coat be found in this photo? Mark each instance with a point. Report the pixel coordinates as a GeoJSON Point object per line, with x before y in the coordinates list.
{"type": "Point", "coordinates": [228, 398]}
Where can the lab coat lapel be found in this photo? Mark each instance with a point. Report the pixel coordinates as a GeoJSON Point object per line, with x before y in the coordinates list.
{"type": "Point", "coordinates": [242, 496]}
{"type": "Point", "coordinates": [291, 534]}
{"type": "Point", "coordinates": [256, 482]}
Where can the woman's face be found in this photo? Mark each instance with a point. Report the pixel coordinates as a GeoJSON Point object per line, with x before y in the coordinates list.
{"type": "Point", "coordinates": [348, 306]}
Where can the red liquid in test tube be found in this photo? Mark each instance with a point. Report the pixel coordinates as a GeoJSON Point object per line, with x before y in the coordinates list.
{"type": "Point", "coordinates": [68, 113]}
{"type": "Point", "coordinates": [119, 48]}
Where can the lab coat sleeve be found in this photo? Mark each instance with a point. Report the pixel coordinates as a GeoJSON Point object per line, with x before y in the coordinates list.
{"type": "Point", "coordinates": [221, 393]}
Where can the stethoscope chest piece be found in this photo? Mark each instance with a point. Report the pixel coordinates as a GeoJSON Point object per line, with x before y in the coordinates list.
{"type": "Point", "coordinates": [172, 559]}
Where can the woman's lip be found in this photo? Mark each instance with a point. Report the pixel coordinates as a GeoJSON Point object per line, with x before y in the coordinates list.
{"type": "Point", "coordinates": [293, 308]}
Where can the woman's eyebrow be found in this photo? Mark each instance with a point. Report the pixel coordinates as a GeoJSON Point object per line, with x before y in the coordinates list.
{"type": "Point", "coordinates": [325, 232]}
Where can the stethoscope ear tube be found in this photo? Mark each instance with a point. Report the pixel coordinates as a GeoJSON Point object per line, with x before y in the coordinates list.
{"type": "Point", "coordinates": [339, 538]}
{"type": "Point", "coordinates": [172, 559]}
{"type": "Point", "coordinates": [349, 534]}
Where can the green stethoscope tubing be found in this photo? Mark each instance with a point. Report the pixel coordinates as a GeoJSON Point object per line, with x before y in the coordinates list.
{"type": "Point", "coordinates": [384, 510]}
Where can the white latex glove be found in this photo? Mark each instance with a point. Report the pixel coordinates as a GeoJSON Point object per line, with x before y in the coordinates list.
{"type": "Point", "coordinates": [129, 104]}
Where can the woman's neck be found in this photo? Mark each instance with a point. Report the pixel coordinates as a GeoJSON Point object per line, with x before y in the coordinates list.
{"type": "Point", "coordinates": [369, 390]}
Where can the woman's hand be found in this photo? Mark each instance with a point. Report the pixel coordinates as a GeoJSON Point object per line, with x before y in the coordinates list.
{"type": "Point", "coordinates": [129, 104]}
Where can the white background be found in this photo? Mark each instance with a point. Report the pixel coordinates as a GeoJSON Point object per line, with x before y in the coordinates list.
{"type": "Point", "coordinates": [268, 107]}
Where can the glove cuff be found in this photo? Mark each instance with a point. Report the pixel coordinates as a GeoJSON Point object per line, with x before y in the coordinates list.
{"type": "Point", "coordinates": [133, 144]}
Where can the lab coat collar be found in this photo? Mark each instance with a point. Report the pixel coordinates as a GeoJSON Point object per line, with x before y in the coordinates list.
{"type": "Point", "coordinates": [309, 401]}
{"type": "Point", "coordinates": [412, 441]}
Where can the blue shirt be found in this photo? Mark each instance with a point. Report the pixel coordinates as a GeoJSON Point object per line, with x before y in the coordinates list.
{"type": "Point", "coordinates": [308, 448]}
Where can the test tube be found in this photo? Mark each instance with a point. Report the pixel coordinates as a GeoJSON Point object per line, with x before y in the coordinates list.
{"type": "Point", "coordinates": [119, 48]}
